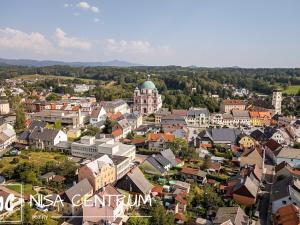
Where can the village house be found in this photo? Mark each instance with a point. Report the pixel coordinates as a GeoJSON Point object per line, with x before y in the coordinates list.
{"type": "Point", "coordinates": [240, 118]}
{"type": "Point", "coordinates": [7, 135]}
{"type": "Point", "coordinates": [288, 214]}
{"type": "Point", "coordinates": [135, 183]}
{"type": "Point", "coordinates": [98, 114]}
{"type": "Point", "coordinates": [159, 141]}
{"type": "Point", "coordinates": [193, 175]}
{"type": "Point", "coordinates": [289, 155]}
{"type": "Point", "coordinates": [74, 197]}
{"type": "Point", "coordinates": [223, 136]}
{"type": "Point", "coordinates": [246, 141]}
{"type": "Point", "coordinates": [198, 117]}
{"type": "Point", "coordinates": [231, 216]}
{"type": "Point", "coordinates": [99, 172]}
{"type": "Point", "coordinates": [285, 192]}
{"type": "Point", "coordinates": [44, 138]}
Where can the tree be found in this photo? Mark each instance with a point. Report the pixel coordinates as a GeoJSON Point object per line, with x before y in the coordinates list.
{"type": "Point", "coordinates": [178, 145]}
{"type": "Point", "coordinates": [57, 124]}
{"type": "Point", "coordinates": [52, 97]}
{"type": "Point", "coordinates": [108, 126]}
{"type": "Point", "coordinates": [160, 217]}
{"type": "Point", "coordinates": [138, 221]}
{"type": "Point", "coordinates": [206, 163]}
{"type": "Point", "coordinates": [20, 118]}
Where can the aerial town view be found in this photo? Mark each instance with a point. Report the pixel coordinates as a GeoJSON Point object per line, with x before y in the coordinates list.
{"type": "Point", "coordinates": [139, 112]}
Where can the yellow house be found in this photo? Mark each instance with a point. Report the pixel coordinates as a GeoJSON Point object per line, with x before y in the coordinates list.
{"type": "Point", "coordinates": [246, 141]}
{"type": "Point", "coordinates": [255, 119]}
{"type": "Point", "coordinates": [99, 172]}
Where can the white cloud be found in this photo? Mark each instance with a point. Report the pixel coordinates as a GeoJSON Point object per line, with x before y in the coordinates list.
{"type": "Point", "coordinates": [123, 46]}
{"type": "Point", "coordinates": [96, 20]}
{"type": "Point", "coordinates": [16, 39]}
{"type": "Point", "coordinates": [94, 9]}
{"type": "Point", "coordinates": [66, 5]}
{"type": "Point", "coordinates": [87, 6]}
{"type": "Point", "coordinates": [70, 42]}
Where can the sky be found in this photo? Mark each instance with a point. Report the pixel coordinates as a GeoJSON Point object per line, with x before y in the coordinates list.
{"type": "Point", "coordinates": [212, 33]}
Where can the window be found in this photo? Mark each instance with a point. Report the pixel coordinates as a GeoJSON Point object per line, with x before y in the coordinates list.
{"type": "Point", "coordinates": [284, 202]}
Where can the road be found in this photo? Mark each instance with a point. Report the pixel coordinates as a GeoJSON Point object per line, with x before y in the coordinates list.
{"type": "Point", "coordinates": [265, 204]}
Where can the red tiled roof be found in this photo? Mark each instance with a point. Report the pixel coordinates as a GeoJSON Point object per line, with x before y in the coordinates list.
{"type": "Point", "coordinates": [272, 144]}
{"type": "Point", "coordinates": [117, 133]}
{"type": "Point", "coordinates": [179, 216]}
{"type": "Point", "coordinates": [181, 198]}
{"type": "Point", "coordinates": [191, 171]}
{"type": "Point", "coordinates": [287, 215]}
{"type": "Point", "coordinates": [166, 136]}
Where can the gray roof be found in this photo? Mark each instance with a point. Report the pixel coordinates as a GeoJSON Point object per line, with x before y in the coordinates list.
{"type": "Point", "coordinates": [43, 134]}
{"type": "Point", "coordinates": [81, 188]}
{"type": "Point", "coordinates": [140, 181]}
{"type": "Point", "coordinates": [224, 134]}
{"type": "Point", "coordinates": [155, 164]}
{"type": "Point", "coordinates": [198, 112]}
{"type": "Point", "coordinates": [161, 160]}
{"type": "Point", "coordinates": [280, 189]}
{"type": "Point", "coordinates": [169, 155]}
{"type": "Point", "coordinates": [37, 123]}
{"type": "Point", "coordinates": [235, 214]}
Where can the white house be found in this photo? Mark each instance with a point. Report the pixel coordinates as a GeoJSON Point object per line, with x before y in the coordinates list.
{"type": "Point", "coordinates": [289, 155]}
{"type": "Point", "coordinates": [7, 135]}
{"type": "Point", "coordinates": [97, 115]}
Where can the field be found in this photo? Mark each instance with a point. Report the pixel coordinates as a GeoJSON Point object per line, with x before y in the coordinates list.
{"type": "Point", "coordinates": [38, 158]}
{"type": "Point", "coordinates": [292, 90]}
{"type": "Point", "coordinates": [39, 77]}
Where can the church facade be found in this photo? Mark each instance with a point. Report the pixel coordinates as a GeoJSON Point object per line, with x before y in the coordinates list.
{"type": "Point", "coordinates": [146, 99]}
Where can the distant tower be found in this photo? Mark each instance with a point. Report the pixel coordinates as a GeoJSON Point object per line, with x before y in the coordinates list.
{"type": "Point", "coordinates": [276, 101]}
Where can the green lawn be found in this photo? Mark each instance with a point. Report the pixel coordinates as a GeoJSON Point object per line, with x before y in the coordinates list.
{"type": "Point", "coordinates": [38, 158]}
{"type": "Point", "coordinates": [292, 89]}
{"type": "Point", "coordinates": [27, 189]}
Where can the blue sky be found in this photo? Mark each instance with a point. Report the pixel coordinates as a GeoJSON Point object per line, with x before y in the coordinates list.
{"type": "Point", "coordinates": [252, 33]}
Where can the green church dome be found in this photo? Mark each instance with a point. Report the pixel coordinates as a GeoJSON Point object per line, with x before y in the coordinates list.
{"type": "Point", "coordinates": [148, 85]}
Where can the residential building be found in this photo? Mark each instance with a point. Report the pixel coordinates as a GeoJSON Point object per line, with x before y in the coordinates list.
{"type": "Point", "coordinates": [161, 113]}
{"type": "Point", "coordinates": [245, 192]}
{"type": "Point", "coordinates": [74, 119]}
{"type": "Point", "coordinates": [289, 155]}
{"type": "Point", "coordinates": [146, 99]}
{"type": "Point", "coordinates": [74, 197]}
{"type": "Point", "coordinates": [98, 172]}
{"type": "Point", "coordinates": [198, 117]}
{"type": "Point", "coordinates": [159, 141]}
{"type": "Point", "coordinates": [287, 215]}
{"type": "Point", "coordinates": [111, 210]}
{"type": "Point", "coordinates": [218, 136]}
{"type": "Point", "coordinates": [74, 133]}
{"type": "Point", "coordinates": [135, 182]}
{"type": "Point", "coordinates": [193, 175]}
{"type": "Point", "coordinates": [156, 164]}
{"type": "Point", "coordinates": [241, 118]}
{"type": "Point", "coordinates": [285, 192]}
{"type": "Point", "coordinates": [115, 106]}
{"type": "Point", "coordinates": [258, 119]}
{"type": "Point", "coordinates": [246, 141]}
{"type": "Point", "coordinates": [4, 107]}
{"type": "Point", "coordinates": [216, 119]}
{"type": "Point", "coordinates": [7, 135]}
{"type": "Point", "coordinates": [231, 216]}
{"type": "Point", "coordinates": [98, 114]}
{"type": "Point", "coordinates": [134, 119]}
{"type": "Point", "coordinates": [232, 104]}
{"type": "Point", "coordinates": [44, 138]}
{"type": "Point", "coordinates": [90, 147]}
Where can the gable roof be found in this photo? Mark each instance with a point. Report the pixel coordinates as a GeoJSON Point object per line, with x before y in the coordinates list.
{"type": "Point", "coordinates": [81, 188]}
{"type": "Point", "coordinates": [287, 215]}
{"type": "Point", "coordinates": [281, 188]}
{"type": "Point", "coordinates": [234, 214]}
{"type": "Point", "coordinates": [224, 134]}
{"type": "Point", "coordinates": [43, 134]}
{"type": "Point", "coordinates": [166, 136]}
{"type": "Point", "coordinates": [272, 144]}
{"type": "Point", "coordinates": [156, 164]}
{"type": "Point", "coordinates": [169, 155]}
{"type": "Point", "coordinates": [140, 181]}
{"type": "Point", "coordinates": [161, 160]}
{"type": "Point", "coordinates": [247, 183]}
